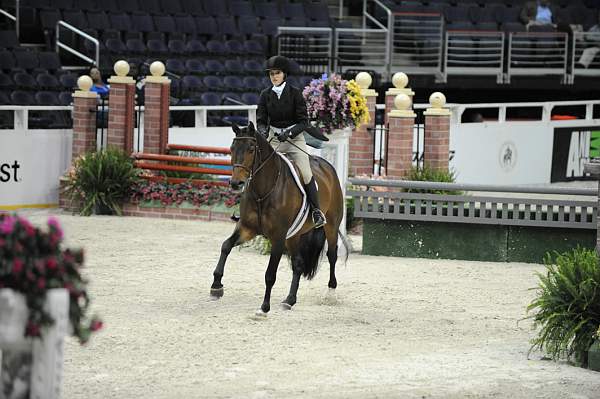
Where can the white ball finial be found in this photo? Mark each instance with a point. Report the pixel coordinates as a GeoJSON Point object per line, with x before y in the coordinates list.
{"type": "Point", "coordinates": [84, 83]}
{"type": "Point", "coordinates": [402, 102]}
{"type": "Point", "coordinates": [437, 100]}
{"type": "Point", "coordinates": [121, 68]}
{"type": "Point", "coordinates": [157, 68]}
{"type": "Point", "coordinates": [400, 80]}
{"type": "Point", "coordinates": [364, 80]}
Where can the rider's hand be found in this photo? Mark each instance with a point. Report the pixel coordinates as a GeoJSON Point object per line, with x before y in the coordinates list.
{"type": "Point", "coordinates": [284, 135]}
{"type": "Point", "coordinates": [263, 131]}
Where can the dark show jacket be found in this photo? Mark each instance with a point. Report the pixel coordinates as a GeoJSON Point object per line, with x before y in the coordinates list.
{"type": "Point", "coordinates": [281, 112]}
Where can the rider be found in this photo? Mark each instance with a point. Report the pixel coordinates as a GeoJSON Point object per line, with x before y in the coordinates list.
{"type": "Point", "coordinates": [281, 116]}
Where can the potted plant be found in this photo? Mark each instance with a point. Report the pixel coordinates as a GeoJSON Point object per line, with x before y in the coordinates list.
{"type": "Point", "coordinates": [567, 306]}
{"type": "Point", "coordinates": [334, 103]}
{"type": "Point", "coordinates": [101, 181]}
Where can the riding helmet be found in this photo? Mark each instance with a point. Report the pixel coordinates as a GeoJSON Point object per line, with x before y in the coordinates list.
{"type": "Point", "coordinates": [278, 62]}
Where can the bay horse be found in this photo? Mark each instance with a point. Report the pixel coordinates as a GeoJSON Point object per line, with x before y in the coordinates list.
{"type": "Point", "coordinates": [269, 205]}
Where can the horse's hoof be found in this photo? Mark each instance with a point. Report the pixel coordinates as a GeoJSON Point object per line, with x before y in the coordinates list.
{"type": "Point", "coordinates": [286, 306]}
{"type": "Point", "coordinates": [260, 315]}
{"type": "Point", "coordinates": [216, 293]}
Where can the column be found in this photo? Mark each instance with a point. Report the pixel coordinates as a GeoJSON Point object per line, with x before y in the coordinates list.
{"type": "Point", "coordinates": [156, 110]}
{"type": "Point", "coordinates": [399, 80]}
{"type": "Point", "coordinates": [437, 133]}
{"type": "Point", "coordinates": [84, 118]}
{"type": "Point", "coordinates": [400, 137]}
{"type": "Point", "coordinates": [121, 108]}
{"type": "Point", "coordinates": [361, 143]}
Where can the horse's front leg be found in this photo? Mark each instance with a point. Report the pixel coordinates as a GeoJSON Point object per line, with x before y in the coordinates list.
{"type": "Point", "coordinates": [271, 274]}
{"type": "Point", "coordinates": [240, 235]}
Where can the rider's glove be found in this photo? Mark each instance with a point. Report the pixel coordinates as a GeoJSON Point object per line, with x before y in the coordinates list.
{"type": "Point", "coordinates": [284, 135]}
{"type": "Point", "coordinates": [263, 131]}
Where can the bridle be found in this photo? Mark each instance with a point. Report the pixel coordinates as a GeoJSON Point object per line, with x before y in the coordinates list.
{"type": "Point", "coordinates": [253, 171]}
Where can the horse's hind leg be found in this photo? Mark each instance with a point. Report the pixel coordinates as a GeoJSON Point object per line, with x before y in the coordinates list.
{"type": "Point", "coordinates": [331, 233]}
{"type": "Point", "coordinates": [240, 235]}
{"type": "Point", "coordinates": [297, 268]}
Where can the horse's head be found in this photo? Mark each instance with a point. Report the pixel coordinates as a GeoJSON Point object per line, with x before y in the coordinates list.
{"type": "Point", "coordinates": [243, 154]}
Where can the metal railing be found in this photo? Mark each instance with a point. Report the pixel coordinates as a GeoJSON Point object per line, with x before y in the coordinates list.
{"type": "Point", "coordinates": [15, 18]}
{"type": "Point", "coordinates": [361, 48]}
{"type": "Point", "coordinates": [539, 53]}
{"type": "Point", "coordinates": [584, 58]}
{"type": "Point", "coordinates": [417, 43]}
{"type": "Point", "coordinates": [66, 47]}
{"type": "Point", "coordinates": [310, 47]}
{"type": "Point", "coordinates": [475, 209]}
{"type": "Point", "coordinates": [474, 53]}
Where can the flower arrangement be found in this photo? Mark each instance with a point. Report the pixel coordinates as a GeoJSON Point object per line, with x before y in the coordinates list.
{"type": "Point", "coordinates": [176, 194]}
{"type": "Point", "coordinates": [335, 103]}
{"type": "Point", "coordinates": [32, 262]}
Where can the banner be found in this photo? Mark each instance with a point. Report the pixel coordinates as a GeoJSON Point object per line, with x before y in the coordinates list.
{"type": "Point", "coordinates": [573, 146]}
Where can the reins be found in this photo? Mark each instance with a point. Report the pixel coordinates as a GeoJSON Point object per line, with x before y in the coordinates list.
{"type": "Point", "coordinates": [253, 172]}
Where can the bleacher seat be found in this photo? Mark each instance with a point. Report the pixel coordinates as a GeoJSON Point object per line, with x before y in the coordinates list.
{"type": "Point", "coordinates": [195, 67]}
{"type": "Point", "coordinates": [20, 97]}
{"type": "Point", "coordinates": [214, 67]}
{"type": "Point", "coordinates": [241, 9]}
{"type": "Point", "coordinates": [8, 39]}
{"type": "Point", "coordinates": [192, 7]}
{"type": "Point", "coordinates": [216, 8]}
{"type": "Point", "coordinates": [6, 82]}
{"type": "Point", "coordinates": [171, 6]}
{"type": "Point", "coordinates": [233, 83]}
{"type": "Point", "coordinates": [212, 83]}
{"type": "Point", "coordinates": [250, 98]}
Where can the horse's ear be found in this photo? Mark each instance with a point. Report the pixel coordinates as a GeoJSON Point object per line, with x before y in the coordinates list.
{"type": "Point", "coordinates": [251, 126]}
{"type": "Point", "coordinates": [236, 129]}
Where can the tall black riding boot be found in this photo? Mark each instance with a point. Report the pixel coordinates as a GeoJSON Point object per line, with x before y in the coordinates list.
{"type": "Point", "coordinates": [313, 199]}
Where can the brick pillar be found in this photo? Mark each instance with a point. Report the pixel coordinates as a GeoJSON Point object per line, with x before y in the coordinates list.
{"type": "Point", "coordinates": [121, 108]}
{"type": "Point", "coordinates": [361, 143]}
{"type": "Point", "coordinates": [84, 118]}
{"type": "Point", "coordinates": [399, 80]}
{"type": "Point", "coordinates": [437, 133]}
{"type": "Point", "coordinates": [400, 137]}
{"type": "Point", "coordinates": [156, 110]}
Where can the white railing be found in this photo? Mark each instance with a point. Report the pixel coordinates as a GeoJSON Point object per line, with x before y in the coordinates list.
{"type": "Point", "coordinates": [537, 53]}
{"type": "Point", "coordinates": [474, 53]}
{"type": "Point", "coordinates": [21, 113]}
{"type": "Point", "coordinates": [64, 46]}
{"type": "Point", "coordinates": [585, 60]}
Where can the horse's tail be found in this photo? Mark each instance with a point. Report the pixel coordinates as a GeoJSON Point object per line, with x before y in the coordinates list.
{"type": "Point", "coordinates": [346, 245]}
{"type": "Point", "coordinates": [311, 250]}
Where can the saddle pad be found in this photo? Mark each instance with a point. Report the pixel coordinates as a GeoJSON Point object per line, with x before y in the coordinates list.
{"type": "Point", "coordinates": [303, 213]}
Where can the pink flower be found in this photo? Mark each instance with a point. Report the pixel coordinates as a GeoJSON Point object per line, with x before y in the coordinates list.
{"type": "Point", "coordinates": [51, 263]}
{"type": "Point", "coordinates": [54, 224]}
{"type": "Point", "coordinates": [7, 225]}
{"type": "Point", "coordinates": [17, 266]}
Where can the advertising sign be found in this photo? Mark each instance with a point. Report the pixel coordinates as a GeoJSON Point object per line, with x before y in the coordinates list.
{"type": "Point", "coordinates": [573, 146]}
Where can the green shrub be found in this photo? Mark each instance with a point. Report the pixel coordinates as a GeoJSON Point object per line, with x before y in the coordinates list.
{"type": "Point", "coordinates": [102, 181]}
{"type": "Point", "coordinates": [567, 306]}
{"type": "Point", "coordinates": [434, 175]}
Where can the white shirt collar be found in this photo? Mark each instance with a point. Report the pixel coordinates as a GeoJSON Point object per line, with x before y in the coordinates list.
{"type": "Point", "coordinates": [278, 89]}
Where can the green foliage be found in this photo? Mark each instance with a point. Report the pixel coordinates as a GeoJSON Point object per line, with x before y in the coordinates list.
{"type": "Point", "coordinates": [350, 219]}
{"type": "Point", "coordinates": [567, 306]}
{"type": "Point", "coordinates": [260, 243]}
{"type": "Point", "coordinates": [429, 174]}
{"type": "Point", "coordinates": [102, 181]}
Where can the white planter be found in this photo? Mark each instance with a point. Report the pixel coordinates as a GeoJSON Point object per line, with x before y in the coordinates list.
{"type": "Point", "coordinates": [336, 152]}
{"type": "Point", "coordinates": [40, 358]}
